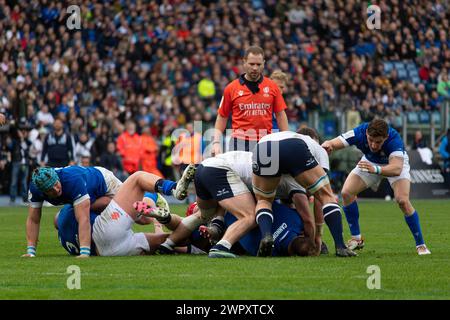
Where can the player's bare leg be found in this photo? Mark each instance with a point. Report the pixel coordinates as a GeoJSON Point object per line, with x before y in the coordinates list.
{"type": "Point", "coordinates": [265, 190]}
{"type": "Point", "coordinates": [243, 208]}
{"type": "Point", "coordinates": [401, 192]}
{"type": "Point", "coordinates": [353, 186]}
{"type": "Point", "coordinates": [318, 184]}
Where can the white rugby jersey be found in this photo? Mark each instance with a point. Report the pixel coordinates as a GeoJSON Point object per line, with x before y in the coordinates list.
{"type": "Point", "coordinates": [316, 149]}
{"type": "Point", "coordinates": [238, 161]}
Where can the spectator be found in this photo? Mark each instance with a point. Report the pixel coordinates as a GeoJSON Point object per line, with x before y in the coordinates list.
{"type": "Point", "coordinates": [19, 147]}
{"type": "Point", "coordinates": [83, 148]}
{"type": "Point", "coordinates": [58, 147]}
{"type": "Point", "coordinates": [443, 87]}
{"type": "Point", "coordinates": [111, 161]}
{"type": "Point", "coordinates": [149, 155]}
{"type": "Point", "coordinates": [418, 142]}
{"type": "Point", "coordinates": [129, 146]}
{"type": "Point", "coordinates": [444, 150]}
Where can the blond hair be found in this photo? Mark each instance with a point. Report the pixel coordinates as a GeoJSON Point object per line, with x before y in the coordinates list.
{"type": "Point", "coordinates": [279, 75]}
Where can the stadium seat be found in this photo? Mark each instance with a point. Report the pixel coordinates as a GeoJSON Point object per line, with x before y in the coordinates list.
{"type": "Point", "coordinates": [411, 66]}
{"type": "Point", "coordinates": [388, 66]}
{"type": "Point", "coordinates": [413, 117]}
{"type": "Point", "coordinates": [399, 65]}
{"type": "Point", "coordinates": [436, 116]}
{"type": "Point", "coordinates": [424, 117]}
{"type": "Point", "coordinates": [415, 80]}
{"type": "Point", "coordinates": [402, 74]}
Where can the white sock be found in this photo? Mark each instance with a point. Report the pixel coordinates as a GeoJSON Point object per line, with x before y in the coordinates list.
{"type": "Point", "coordinates": [225, 243]}
{"type": "Point", "coordinates": [169, 243]}
{"type": "Point", "coordinates": [358, 237]}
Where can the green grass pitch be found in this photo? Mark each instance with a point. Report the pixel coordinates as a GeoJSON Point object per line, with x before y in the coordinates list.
{"type": "Point", "coordinates": [389, 245]}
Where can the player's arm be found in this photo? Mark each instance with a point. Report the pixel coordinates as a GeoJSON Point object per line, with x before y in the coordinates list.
{"type": "Point", "coordinates": [33, 224]}
{"type": "Point", "coordinates": [101, 203]}
{"type": "Point", "coordinates": [393, 169]}
{"type": "Point", "coordinates": [308, 221]}
{"type": "Point", "coordinates": [84, 227]}
{"type": "Point", "coordinates": [282, 120]}
{"type": "Point", "coordinates": [334, 144]}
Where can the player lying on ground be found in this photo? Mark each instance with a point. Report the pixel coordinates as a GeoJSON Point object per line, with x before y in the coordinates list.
{"type": "Point", "coordinates": [287, 153]}
{"type": "Point", "coordinates": [67, 226]}
{"type": "Point", "coordinates": [384, 157]}
{"type": "Point", "coordinates": [112, 232]}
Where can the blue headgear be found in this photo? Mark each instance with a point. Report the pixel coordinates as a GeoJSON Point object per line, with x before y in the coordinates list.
{"type": "Point", "coordinates": [44, 178]}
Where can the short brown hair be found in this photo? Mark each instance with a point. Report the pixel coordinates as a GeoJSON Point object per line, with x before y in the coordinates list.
{"type": "Point", "coordinates": [254, 50]}
{"type": "Point", "coordinates": [378, 128]}
{"type": "Point", "coordinates": [279, 75]}
{"type": "Point", "coordinates": [302, 246]}
{"type": "Point", "coordinates": [307, 131]}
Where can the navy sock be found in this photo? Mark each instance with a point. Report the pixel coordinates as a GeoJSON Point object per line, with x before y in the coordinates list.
{"type": "Point", "coordinates": [219, 224]}
{"type": "Point", "coordinates": [352, 215]}
{"type": "Point", "coordinates": [414, 225]}
{"type": "Point", "coordinates": [333, 219]}
{"type": "Point", "coordinates": [264, 219]}
{"type": "Point", "coordinates": [165, 186]}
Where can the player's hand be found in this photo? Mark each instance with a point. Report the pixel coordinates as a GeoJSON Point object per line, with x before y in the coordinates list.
{"type": "Point", "coordinates": [216, 149]}
{"type": "Point", "coordinates": [83, 256]}
{"type": "Point", "coordinates": [366, 166]}
{"type": "Point", "coordinates": [28, 255]}
{"type": "Point", "coordinates": [328, 146]}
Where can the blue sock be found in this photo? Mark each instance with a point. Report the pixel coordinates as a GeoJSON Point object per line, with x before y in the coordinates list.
{"type": "Point", "coordinates": [264, 219]}
{"type": "Point", "coordinates": [414, 226]}
{"type": "Point", "coordinates": [165, 186]}
{"type": "Point", "coordinates": [352, 215]}
{"type": "Point", "coordinates": [333, 219]}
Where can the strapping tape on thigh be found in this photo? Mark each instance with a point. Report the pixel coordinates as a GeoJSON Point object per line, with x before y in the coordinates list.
{"type": "Point", "coordinates": [265, 194]}
{"type": "Point", "coordinates": [321, 182]}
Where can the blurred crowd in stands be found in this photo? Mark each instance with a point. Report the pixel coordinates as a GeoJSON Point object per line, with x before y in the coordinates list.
{"type": "Point", "coordinates": [112, 92]}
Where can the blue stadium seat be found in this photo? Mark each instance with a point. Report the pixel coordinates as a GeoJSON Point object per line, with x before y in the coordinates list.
{"type": "Point", "coordinates": [413, 117]}
{"type": "Point", "coordinates": [415, 80]}
{"type": "Point", "coordinates": [413, 73]}
{"type": "Point", "coordinates": [399, 65]}
{"type": "Point", "coordinates": [388, 66]}
{"type": "Point", "coordinates": [402, 74]}
{"type": "Point", "coordinates": [424, 117]}
{"type": "Point", "coordinates": [436, 116]}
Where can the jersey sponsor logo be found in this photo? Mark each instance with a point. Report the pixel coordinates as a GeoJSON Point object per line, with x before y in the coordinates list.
{"type": "Point", "coordinates": [115, 215]}
{"type": "Point", "coordinates": [280, 229]}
